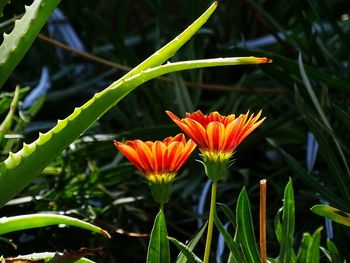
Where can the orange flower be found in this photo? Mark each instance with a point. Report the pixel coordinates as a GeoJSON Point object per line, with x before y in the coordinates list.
{"type": "Point", "coordinates": [217, 136]}
{"type": "Point", "coordinates": [160, 160]}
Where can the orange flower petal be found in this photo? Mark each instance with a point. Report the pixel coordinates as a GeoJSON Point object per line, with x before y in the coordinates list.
{"type": "Point", "coordinates": [217, 134]}
{"type": "Point", "coordinates": [160, 160]}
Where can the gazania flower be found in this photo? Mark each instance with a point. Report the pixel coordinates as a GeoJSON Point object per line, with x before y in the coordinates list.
{"type": "Point", "coordinates": [217, 136]}
{"type": "Point", "coordinates": [158, 161]}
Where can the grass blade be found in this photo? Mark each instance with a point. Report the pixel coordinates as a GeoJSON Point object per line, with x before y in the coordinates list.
{"type": "Point", "coordinates": [190, 256]}
{"type": "Point", "coordinates": [192, 243]}
{"type": "Point", "coordinates": [234, 249]}
{"type": "Point", "coordinates": [229, 214]}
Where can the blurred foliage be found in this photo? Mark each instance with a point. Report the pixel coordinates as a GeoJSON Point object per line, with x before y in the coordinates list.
{"type": "Point", "coordinates": [298, 96]}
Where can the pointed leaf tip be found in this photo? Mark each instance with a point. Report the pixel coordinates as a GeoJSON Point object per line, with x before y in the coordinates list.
{"type": "Point", "coordinates": [265, 60]}
{"type": "Point", "coordinates": [105, 233]}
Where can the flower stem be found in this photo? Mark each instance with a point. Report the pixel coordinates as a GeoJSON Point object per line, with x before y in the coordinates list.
{"type": "Point", "coordinates": [211, 221]}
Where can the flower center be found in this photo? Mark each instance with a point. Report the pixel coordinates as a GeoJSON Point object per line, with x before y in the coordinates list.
{"type": "Point", "coordinates": [218, 156]}
{"type": "Point", "coordinates": [161, 178]}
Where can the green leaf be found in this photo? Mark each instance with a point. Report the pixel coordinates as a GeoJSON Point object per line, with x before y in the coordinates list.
{"type": "Point", "coordinates": [333, 252]}
{"type": "Point", "coordinates": [16, 44]}
{"type": "Point", "coordinates": [234, 249]}
{"type": "Point", "coordinates": [192, 243]}
{"type": "Point", "coordinates": [332, 213]}
{"type": "Point", "coordinates": [50, 257]}
{"type": "Point", "coordinates": [5, 126]}
{"type": "Point", "coordinates": [288, 222]}
{"type": "Point", "coordinates": [306, 243]}
{"type": "Point", "coordinates": [229, 213]}
{"type": "Point", "coordinates": [16, 223]}
{"type": "Point", "coordinates": [158, 247]}
{"type": "Point", "coordinates": [313, 254]}
{"type": "Point", "coordinates": [186, 251]}
{"type": "Point", "coordinates": [278, 224]}
{"type": "Point", "coordinates": [245, 231]}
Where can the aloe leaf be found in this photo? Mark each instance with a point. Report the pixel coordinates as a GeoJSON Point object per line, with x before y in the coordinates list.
{"type": "Point", "coordinates": [17, 43]}
{"type": "Point", "coordinates": [186, 251]}
{"type": "Point", "coordinates": [192, 243]}
{"type": "Point", "coordinates": [16, 223]}
{"type": "Point", "coordinates": [332, 213]}
{"type": "Point", "coordinates": [245, 231]}
{"type": "Point", "coordinates": [158, 247]}
{"type": "Point", "coordinates": [236, 254]}
{"type": "Point", "coordinates": [20, 168]}
{"type": "Point", "coordinates": [288, 224]}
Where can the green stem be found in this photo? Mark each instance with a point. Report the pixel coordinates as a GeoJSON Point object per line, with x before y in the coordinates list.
{"type": "Point", "coordinates": [211, 221]}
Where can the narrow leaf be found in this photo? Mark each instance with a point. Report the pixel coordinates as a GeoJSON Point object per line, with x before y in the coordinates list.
{"type": "Point", "coordinates": [343, 116]}
{"type": "Point", "coordinates": [192, 243]}
{"type": "Point", "coordinates": [229, 213]}
{"type": "Point", "coordinates": [158, 247]}
{"type": "Point", "coordinates": [278, 224]}
{"type": "Point", "coordinates": [306, 243]}
{"type": "Point", "coordinates": [313, 254]}
{"type": "Point", "coordinates": [234, 249]}
{"type": "Point", "coordinates": [190, 256]}
{"type": "Point", "coordinates": [16, 223]}
{"type": "Point", "coordinates": [332, 213]}
{"type": "Point", "coordinates": [333, 252]}
{"type": "Point", "coordinates": [245, 231]}
{"type": "Point", "coordinates": [288, 223]}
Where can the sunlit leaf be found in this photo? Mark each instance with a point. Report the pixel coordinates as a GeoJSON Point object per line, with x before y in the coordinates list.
{"type": "Point", "coordinates": [245, 230]}
{"type": "Point", "coordinates": [192, 243]}
{"type": "Point", "coordinates": [186, 251]}
{"type": "Point", "coordinates": [332, 213]}
{"type": "Point", "coordinates": [158, 247]}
